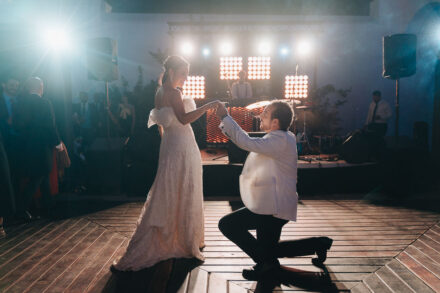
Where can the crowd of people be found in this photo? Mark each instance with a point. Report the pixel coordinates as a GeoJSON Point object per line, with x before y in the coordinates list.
{"type": "Point", "coordinates": [29, 145]}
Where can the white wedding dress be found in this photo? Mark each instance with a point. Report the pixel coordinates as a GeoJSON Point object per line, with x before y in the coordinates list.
{"type": "Point", "coordinates": [171, 224]}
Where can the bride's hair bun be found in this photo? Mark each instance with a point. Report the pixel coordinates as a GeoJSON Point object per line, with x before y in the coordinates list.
{"type": "Point", "coordinates": [172, 62]}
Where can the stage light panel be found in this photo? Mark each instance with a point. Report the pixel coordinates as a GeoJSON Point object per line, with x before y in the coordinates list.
{"type": "Point", "coordinates": [259, 68]}
{"type": "Point", "coordinates": [296, 87]}
{"type": "Point", "coordinates": [194, 87]}
{"type": "Point", "coordinates": [230, 67]}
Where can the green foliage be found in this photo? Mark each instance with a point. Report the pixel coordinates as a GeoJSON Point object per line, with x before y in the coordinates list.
{"type": "Point", "coordinates": [324, 116]}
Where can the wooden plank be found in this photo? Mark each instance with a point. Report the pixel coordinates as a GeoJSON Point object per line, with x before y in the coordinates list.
{"type": "Point", "coordinates": [198, 281]}
{"type": "Point", "coordinates": [378, 253]}
{"type": "Point", "coordinates": [375, 284]}
{"type": "Point", "coordinates": [13, 241]}
{"type": "Point", "coordinates": [423, 260]}
{"type": "Point", "coordinates": [392, 281]}
{"type": "Point", "coordinates": [82, 260]}
{"type": "Point", "coordinates": [427, 250]}
{"type": "Point", "coordinates": [91, 232]}
{"type": "Point", "coordinates": [23, 230]}
{"type": "Point", "coordinates": [429, 242]}
{"type": "Point", "coordinates": [360, 288]}
{"type": "Point", "coordinates": [302, 260]}
{"type": "Point", "coordinates": [410, 279]}
{"type": "Point", "coordinates": [336, 243]}
{"type": "Point", "coordinates": [25, 261]}
{"type": "Point", "coordinates": [62, 247]}
{"type": "Point", "coordinates": [103, 277]}
{"type": "Point", "coordinates": [307, 267]}
{"type": "Point", "coordinates": [334, 248]}
{"type": "Point", "coordinates": [217, 284]}
{"type": "Point", "coordinates": [430, 279]}
{"type": "Point", "coordinates": [85, 278]}
{"type": "Point", "coordinates": [335, 238]}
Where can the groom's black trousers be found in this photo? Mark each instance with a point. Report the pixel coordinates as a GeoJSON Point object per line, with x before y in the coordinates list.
{"type": "Point", "coordinates": [266, 247]}
{"type": "Point", "coordinates": [235, 226]}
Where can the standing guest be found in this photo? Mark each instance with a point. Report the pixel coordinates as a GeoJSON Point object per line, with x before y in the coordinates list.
{"type": "Point", "coordinates": [10, 139]}
{"type": "Point", "coordinates": [127, 117]}
{"type": "Point", "coordinates": [378, 114]}
{"type": "Point", "coordinates": [268, 191]}
{"type": "Point", "coordinates": [8, 97]}
{"type": "Point", "coordinates": [7, 201]}
{"type": "Point", "coordinates": [85, 118]}
{"type": "Point", "coordinates": [241, 89]}
{"type": "Point", "coordinates": [101, 114]}
{"type": "Point", "coordinates": [35, 122]}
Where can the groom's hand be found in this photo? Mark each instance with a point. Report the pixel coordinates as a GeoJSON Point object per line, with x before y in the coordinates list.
{"type": "Point", "coordinates": [221, 112]}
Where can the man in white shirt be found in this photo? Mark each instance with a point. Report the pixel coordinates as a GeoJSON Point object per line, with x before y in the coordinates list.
{"type": "Point", "coordinates": [241, 89]}
{"type": "Point", "coordinates": [268, 191]}
{"type": "Point", "coordinates": [378, 114]}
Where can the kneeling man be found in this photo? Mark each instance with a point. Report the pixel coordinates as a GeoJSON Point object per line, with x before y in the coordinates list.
{"type": "Point", "coordinates": [268, 191]}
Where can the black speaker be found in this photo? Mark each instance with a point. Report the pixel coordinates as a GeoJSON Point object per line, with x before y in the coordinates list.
{"type": "Point", "coordinates": [102, 59]}
{"type": "Point", "coordinates": [355, 148]}
{"type": "Point", "coordinates": [238, 155]}
{"type": "Point", "coordinates": [399, 55]}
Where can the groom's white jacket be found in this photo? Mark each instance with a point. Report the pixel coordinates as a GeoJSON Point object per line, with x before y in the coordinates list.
{"type": "Point", "coordinates": [268, 179]}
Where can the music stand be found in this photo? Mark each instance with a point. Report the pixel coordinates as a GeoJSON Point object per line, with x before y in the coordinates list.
{"type": "Point", "coordinates": [304, 139]}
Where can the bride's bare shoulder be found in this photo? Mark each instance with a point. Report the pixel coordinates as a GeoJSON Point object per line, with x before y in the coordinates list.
{"type": "Point", "coordinates": [165, 96]}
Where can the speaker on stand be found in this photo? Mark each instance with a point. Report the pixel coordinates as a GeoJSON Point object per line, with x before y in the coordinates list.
{"type": "Point", "coordinates": [399, 60]}
{"type": "Point", "coordinates": [102, 64]}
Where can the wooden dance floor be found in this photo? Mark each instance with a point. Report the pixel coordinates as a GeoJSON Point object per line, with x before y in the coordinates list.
{"type": "Point", "coordinates": [376, 249]}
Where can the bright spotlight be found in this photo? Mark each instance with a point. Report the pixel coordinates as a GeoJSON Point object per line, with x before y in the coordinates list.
{"type": "Point", "coordinates": [206, 52]}
{"type": "Point", "coordinates": [284, 51]}
{"type": "Point", "coordinates": [305, 48]}
{"type": "Point", "coordinates": [264, 48]}
{"type": "Point", "coordinates": [56, 39]}
{"type": "Point", "coordinates": [226, 48]}
{"type": "Point", "coordinates": [187, 48]}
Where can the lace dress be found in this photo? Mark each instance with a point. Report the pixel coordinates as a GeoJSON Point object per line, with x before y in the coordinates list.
{"type": "Point", "coordinates": [171, 224]}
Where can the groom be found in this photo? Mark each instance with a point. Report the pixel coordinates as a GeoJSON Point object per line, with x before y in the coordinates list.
{"type": "Point", "coordinates": [268, 191]}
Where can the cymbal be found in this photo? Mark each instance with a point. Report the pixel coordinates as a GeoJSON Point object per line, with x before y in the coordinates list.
{"type": "Point", "coordinates": [303, 107]}
{"type": "Point", "coordinates": [258, 105]}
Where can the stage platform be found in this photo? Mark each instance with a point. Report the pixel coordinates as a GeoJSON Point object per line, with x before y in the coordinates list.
{"type": "Point", "coordinates": [376, 249]}
{"type": "Point", "coordinates": [332, 174]}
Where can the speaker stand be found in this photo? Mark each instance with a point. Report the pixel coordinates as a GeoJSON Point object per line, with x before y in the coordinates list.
{"type": "Point", "coordinates": [108, 107]}
{"type": "Point", "coordinates": [396, 131]}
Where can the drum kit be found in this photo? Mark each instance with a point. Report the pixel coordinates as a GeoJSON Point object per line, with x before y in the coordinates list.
{"type": "Point", "coordinates": [302, 137]}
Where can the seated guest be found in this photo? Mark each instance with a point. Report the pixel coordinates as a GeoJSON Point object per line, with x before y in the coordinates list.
{"type": "Point", "coordinates": [241, 89]}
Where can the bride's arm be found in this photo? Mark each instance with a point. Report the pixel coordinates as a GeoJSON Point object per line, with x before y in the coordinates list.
{"type": "Point", "coordinates": [179, 110]}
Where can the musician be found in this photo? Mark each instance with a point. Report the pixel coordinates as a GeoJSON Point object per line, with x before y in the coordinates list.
{"type": "Point", "coordinates": [378, 115]}
{"type": "Point", "coordinates": [241, 89]}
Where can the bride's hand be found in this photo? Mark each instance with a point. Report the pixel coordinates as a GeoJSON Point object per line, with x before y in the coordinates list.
{"type": "Point", "coordinates": [212, 105]}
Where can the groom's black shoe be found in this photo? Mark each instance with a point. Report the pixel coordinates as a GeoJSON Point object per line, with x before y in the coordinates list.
{"type": "Point", "coordinates": [115, 271]}
{"type": "Point", "coordinates": [324, 244]}
{"type": "Point", "coordinates": [261, 271]}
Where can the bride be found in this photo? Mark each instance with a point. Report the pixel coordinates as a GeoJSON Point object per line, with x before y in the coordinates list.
{"type": "Point", "coordinates": [171, 223]}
